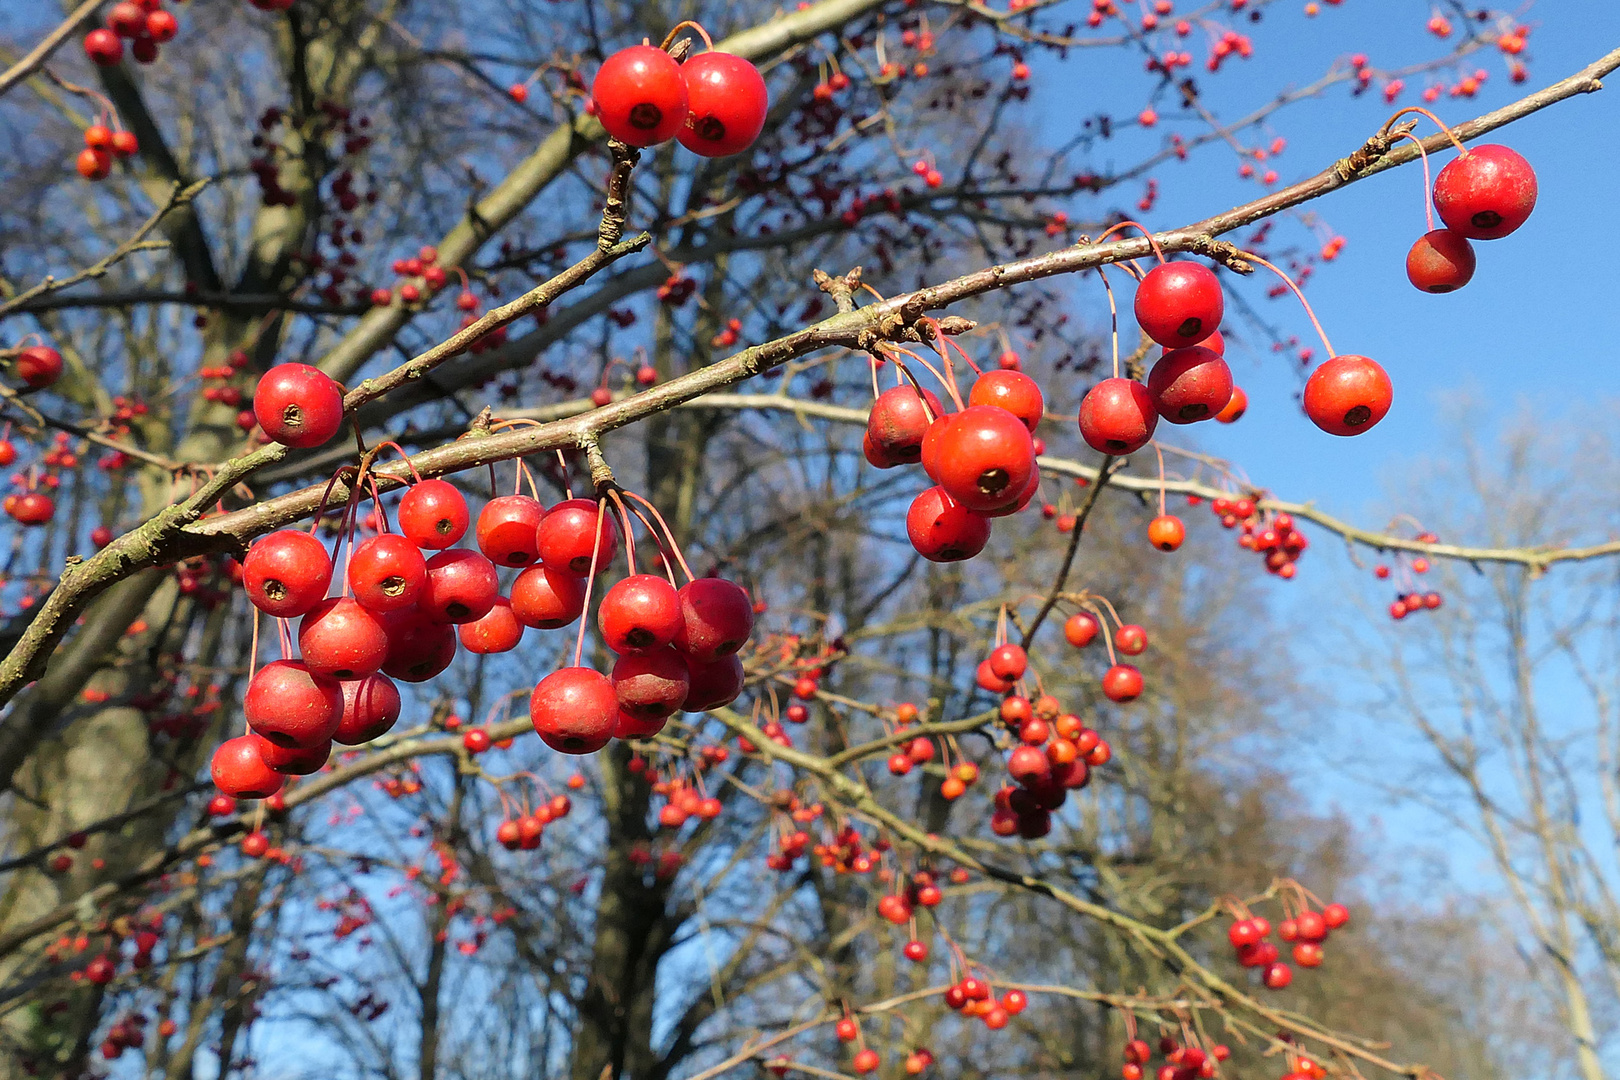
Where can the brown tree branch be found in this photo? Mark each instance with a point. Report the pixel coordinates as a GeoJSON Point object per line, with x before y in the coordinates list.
{"type": "Point", "coordinates": [36, 57]}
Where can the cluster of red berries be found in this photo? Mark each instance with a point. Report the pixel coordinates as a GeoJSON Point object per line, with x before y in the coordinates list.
{"type": "Point", "coordinates": [1250, 936]}
{"type": "Point", "coordinates": [1413, 599]}
{"type": "Point", "coordinates": [523, 832]}
{"type": "Point", "coordinates": [146, 24]}
{"type": "Point", "coordinates": [1121, 682]}
{"type": "Point", "coordinates": [101, 145]}
{"type": "Point", "coordinates": [1270, 534]}
{"type": "Point", "coordinates": [329, 118]}
{"type": "Point", "coordinates": [973, 996]}
{"type": "Point", "coordinates": [981, 457]}
{"type": "Point", "coordinates": [714, 104]}
{"type": "Point", "coordinates": [1483, 194]}
{"type": "Point", "coordinates": [1180, 1062]}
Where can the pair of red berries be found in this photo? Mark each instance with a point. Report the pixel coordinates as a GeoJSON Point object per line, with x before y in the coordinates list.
{"type": "Point", "coordinates": [1179, 305]}
{"type": "Point", "coordinates": [1484, 194]}
{"type": "Point", "coordinates": [714, 104]}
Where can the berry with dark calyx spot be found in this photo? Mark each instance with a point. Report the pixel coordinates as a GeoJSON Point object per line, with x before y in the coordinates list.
{"type": "Point", "coordinates": [1235, 408]}
{"type": "Point", "coordinates": [726, 104]}
{"type": "Point", "coordinates": [574, 710]}
{"type": "Point", "coordinates": [568, 535]}
{"type": "Point", "coordinates": [1190, 384]}
{"type": "Point", "coordinates": [1348, 395]}
{"type": "Point", "coordinates": [639, 614]}
{"type": "Point", "coordinates": [1011, 390]}
{"type": "Point", "coordinates": [291, 705]}
{"type": "Point", "coordinates": [640, 95]}
{"type": "Point", "coordinates": [419, 646]}
{"type": "Point", "coordinates": [461, 587]}
{"type": "Point", "coordinates": [1441, 261]}
{"type": "Point", "coordinates": [942, 530]}
{"type": "Point", "coordinates": [1122, 683]}
{"type": "Point", "coordinates": [497, 631]}
{"type": "Point", "coordinates": [298, 405]}
{"type": "Point", "coordinates": [712, 685]}
{"type": "Point", "coordinates": [1117, 416]}
{"type": "Point", "coordinates": [370, 708]}
{"type": "Point", "coordinates": [340, 638]}
{"type": "Point", "coordinates": [1166, 532]}
{"type": "Point", "coordinates": [716, 618]}
{"type": "Point", "coordinates": [433, 514]}
{"type": "Point", "coordinates": [1179, 303]}
{"type": "Point", "coordinates": [286, 573]}
{"type": "Point", "coordinates": [986, 458]}
{"type": "Point", "coordinates": [103, 47]}
{"type": "Point", "coordinates": [1008, 661]}
{"type": "Point", "coordinates": [546, 598]}
{"type": "Point", "coordinates": [239, 771]}
{"type": "Point", "coordinates": [651, 685]}
{"type": "Point", "coordinates": [508, 530]}
{"type": "Point", "coordinates": [387, 572]}
{"type": "Point", "coordinates": [1485, 193]}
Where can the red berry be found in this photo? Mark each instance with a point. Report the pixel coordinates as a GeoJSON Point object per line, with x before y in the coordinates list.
{"type": "Point", "coordinates": [1190, 384]}
{"type": "Point", "coordinates": [419, 646]}
{"type": "Point", "coordinates": [897, 423]}
{"type": "Point", "coordinates": [1335, 915]}
{"type": "Point", "coordinates": [292, 705]}
{"type": "Point", "coordinates": [1008, 662]}
{"type": "Point", "coordinates": [93, 164]}
{"type": "Point", "coordinates": [298, 405]}
{"type": "Point", "coordinates": [387, 572]}
{"type": "Point", "coordinates": [1166, 532]}
{"type": "Point", "coordinates": [726, 102]}
{"type": "Point", "coordinates": [461, 587]}
{"type": "Point", "coordinates": [39, 366]}
{"type": "Point", "coordinates": [1348, 395]}
{"type": "Point", "coordinates": [640, 95]}
{"type": "Point", "coordinates": [1011, 390]}
{"type": "Point", "coordinates": [1122, 682]}
{"type": "Point", "coordinates": [1486, 193]}
{"type": "Point", "coordinates": [1130, 639]}
{"type": "Point", "coordinates": [508, 530]}
{"type": "Point", "coordinates": [126, 19]}
{"type": "Point", "coordinates": [497, 631]}
{"type": "Point", "coordinates": [340, 638]}
{"type": "Point", "coordinates": [941, 530]}
{"type": "Point", "coordinates": [639, 614]}
{"type": "Point", "coordinates": [1441, 261]}
{"type": "Point", "coordinates": [574, 710]}
{"type": "Point", "coordinates": [124, 143]}
{"type": "Point", "coordinates": [569, 533]}
{"type": "Point", "coordinates": [1179, 303]}
{"type": "Point", "coordinates": [716, 618]}
{"type": "Point", "coordinates": [986, 458]}
{"type": "Point", "coordinates": [1278, 976]}
{"type": "Point", "coordinates": [294, 760]}
{"type": "Point", "coordinates": [103, 47]}
{"type": "Point", "coordinates": [240, 772]}
{"type": "Point", "coordinates": [1235, 408]}
{"type": "Point", "coordinates": [161, 25]}
{"type": "Point", "coordinates": [1117, 416]}
{"type": "Point", "coordinates": [710, 686]}
{"type": "Point", "coordinates": [651, 685]}
{"type": "Point", "coordinates": [370, 708]}
{"type": "Point", "coordinates": [1080, 629]}
{"type": "Point", "coordinates": [433, 514]}
{"type": "Point", "coordinates": [547, 599]}
{"type": "Point", "coordinates": [286, 573]}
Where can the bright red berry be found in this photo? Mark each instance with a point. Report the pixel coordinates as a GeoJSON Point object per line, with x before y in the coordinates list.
{"type": "Point", "coordinates": [726, 102]}
{"type": "Point", "coordinates": [640, 95]}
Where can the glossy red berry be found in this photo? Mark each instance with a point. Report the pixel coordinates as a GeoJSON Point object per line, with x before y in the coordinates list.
{"type": "Point", "coordinates": [39, 366]}
{"type": "Point", "coordinates": [1441, 261]}
{"type": "Point", "coordinates": [298, 405]}
{"type": "Point", "coordinates": [1486, 193]}
{"type": "Point", "coordinates": [1179, 303]}
{"type": "Point", "coordinates": [1122, 682]}
{"type": "Point", "coordinates": [509, 530]}
{"type": "Point", "coordinates": [291, 705]}
{"type": "Point", "coordinates": [340, 638]}
{"type": "Point", "coordinates": [1166, 532]}
{"type": "Point", "coordinates": [1008, 662]}
{"type": "Point", "coordinates": [240, 772]}
{"type": "Point", "coordinates": [497, 631]}
{"type": "Point", "coordinates": [716, 618]}
{"type": "Point", "coordinates": [1348, 395]}
{"type": "Point", "coordinates": [1131, 639]}
{"type": "Point", "coordinates": [986, 458]}
{"type": "Point", "coordinates": [126, 19]}
{"type": "Point", "coordinates": [93, 164]}
{"type": "Point", "coordinates": [387, 572]}
{"type": "Point", "coordinates": [942, 530]}
{"type": "Point", "coordinates": [1190, 384]}
{"type": "Point", "coordinates": [546, 598]}
{"type": "Point", "coordinates": [1011, 390]}
{"type": "Point", "coordinates": [640, 95]}
{"type": "Point", "coordinates": [461, 586]}
{"type": "Point", "coordinates": [1335, 916]}
{"type": "Point", "coordinates": [897, 423]}
{"type": "Point", "coordinates": [1117, 416]}
{"type": "Point", "coordinates": [651, 685]}
{"type": "Point", "coordinates": [161, 25]}
{"type": "Point", "coordinates": [1080, 629]}
{"type": "Point", "coordinates": [33, 508]}
{"type": "Point", "coordinates": [103, 47]}
{"type": "Point", "coordinates": [294, 760]}
{"type": "Point", "coordinates": [1235, 408]}
{"type": "Point", "coordinates": [370, 708]}
{"type": "Point", "coordinates": [726, 104]}
{"type": "Point", "coordinates": [639, 614]}
{"type": "Point", "coordinates": [568, 535]}
{"type": "Point", "coordinates": [712, 685]}
{"type": "Point", "coordinates": [286, 573]}
{"type": "Point", "coordinates": [574, 710]}
{"type": "Point", "coordinates": [433, 514]}
{"type": "Point", "coordinates": [1278, 975]}
{"type": "Point", "coordinates": [419, 646]}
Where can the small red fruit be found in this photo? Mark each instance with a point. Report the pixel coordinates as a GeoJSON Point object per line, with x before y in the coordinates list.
{"type": "Point", "coordinates": [497, 631]}
{"type": "Point", "coordinates": [103, 47]}
{"type": "Point", "coordinates": [1122, 683]}
{"type": "Point", "coordinates": [944, 531]}
{"type": "Point", "coordinates": [1117, 416]}
{"type": "Point", "coordinates": [286, 573]}
{"type": "Point", "coordinates": [1166, 532]}
{"type": "Point", "coordinates": [547, 598]}
{"type": "Point", "coordinates": [39, 366]}
{"type": "Point", "coordinates": [568, 535]}
{"type": "Point", "coordinates": [1486, 193]}
{"type": "Point", "coordinates": [1011, 390]}
{"type": "Point", "coordinates": [508, 530]}
{"type": "Point", "coordinates": [433, 514]}
{"type": "Point", "coordinates": [387, 572]}
{"type": "Point", "coordinates": [651, 685]}
{"type": "Point", "coordinates": [986, 458]}
{"type": "Point", "coordinates": [370, 708]}
{"type": "Point", "coordinates": [1179, 303]}
{"type": "Point", "coordinates": [1441, 261]}
{"type": "Point", "coordinates": [726, 104]}
{"type": "Point", "coordinates": [1235, 408]}
{"type": "Point", "coordinates": [574, 710]}
{"type": "Point", "coordinates": [291, 705]}
{"type": "Point", "coordinates": [298, 405]}
{"type": "Point", "coordinates": [1348, 395]}
{"type": "Point", "coordinates": [1190, 384]}
{"type": "Point", "coordinates": [340, 638]}
{"type": "Point", "coordinates": [239, 770]}
{"type": "Point", "coordinates": [639, 614]}
{"type": "Point", "coordinates": [461, 587]}
{"type": "Point", "coordinates": [716, 618]}
{"type": "Point", "coordinates": [640, 95]}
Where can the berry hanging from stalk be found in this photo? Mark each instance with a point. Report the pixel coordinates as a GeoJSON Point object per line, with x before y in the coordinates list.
{"type": "Point", "coordinates": [298, 405]}
{"type": "Point", "coordinates": [1117, 416]}
{"type": "Point", "coordinates": [1441, 261]}
{"type": "Point", "coordinates": [640, 96]}
{"type": "Point", "coordinates": [1179, 303]}
{"type": "Point", "coordinates": [942, 530]}
{"type": "Point", "coordinates": [433, 514]}
{"type": "Point", "coordinates": [1485, 193]}
{"type": "Point", "coordinates": [574, 710]}
{"type": "Point", "coordinates": [286, 573]}
{"type": "Point", "coordinates": [1166, 532]}
{"type": "Point", "coordinates": [726, 101]}
{"type": "Point", "coordinates": [1347, 395]}
{"type": "Point", "coordinates": [1190, 384]}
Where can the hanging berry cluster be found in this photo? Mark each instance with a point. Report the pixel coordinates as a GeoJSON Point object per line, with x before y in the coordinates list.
{"type": "Point", "coordinates": [1181, 1061]}
{"type": "Point", "coordinates": [145, 24]}
{"type": "Point", "coordinates": [1410, 599]}
{"type": "Point", "coordinates": [1303, 927]}
{"type": "Point", "coordinates": [713, 104]}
